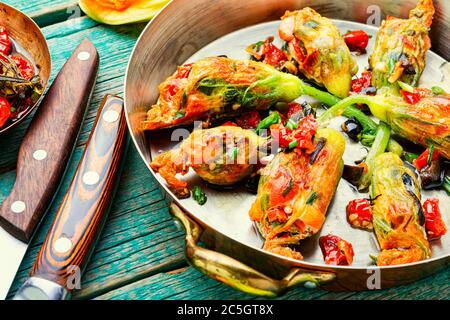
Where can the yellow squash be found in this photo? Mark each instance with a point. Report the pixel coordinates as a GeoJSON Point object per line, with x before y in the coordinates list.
{"type": "Point", "coordinates": [117, 12]}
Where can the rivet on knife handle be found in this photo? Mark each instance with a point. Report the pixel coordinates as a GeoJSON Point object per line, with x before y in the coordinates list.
{"type": "Point", "coordinates": [84, 208]}
{"type": "Point", "coordinates": [49, 142]}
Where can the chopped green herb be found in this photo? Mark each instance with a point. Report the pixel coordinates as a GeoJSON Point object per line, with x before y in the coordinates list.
{"type": "Point", "coordinates": [446, 184]}
{"type": "Point", "coordinates": [12, 109]}
{"type": "Point", "coordinates": [258, 45]}
{"type": "Point", "coordinates": [179, 114]}
{"type": "Point", "coordinates": [374, 259]}
{"type": "Point", "coordinates": [291, 124]}
{"type": "Point", "coordinates": [199, 195]}
{"type": "Point", "coordinates": [437, 90]}
{"type": "Point", "coordinates": [184, 99]}
{"type": "Point", "coordinates": [430, 154]}
{"type": "Point", "coordinates": [288, 188]}
{"type": "Point", "coordinates": [293, 144]}
{"type": "Point", "coordinates": [312, 197]}
{"type": "Point", "coordinates": [265, 123]}
{"type": "Point", "coordinates": [410, 157]}
{"type": "Point", "coordinates": [312, 24]}
{"type": "Point", "coordinates": [406, 86]}
{"type": "Point", "coordinates": [234, 153]}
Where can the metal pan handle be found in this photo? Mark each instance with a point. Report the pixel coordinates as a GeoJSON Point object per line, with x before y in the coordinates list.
{"type": "Point", "coordinates": [235, 273]}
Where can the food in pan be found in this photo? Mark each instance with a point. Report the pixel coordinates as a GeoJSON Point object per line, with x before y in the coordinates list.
{"type": "Point", "coordinates": [295, 189]}
{"type": "Point", "coordinates": [424, 121]}
{"type": "Point", "coordinates": [294, 192]}
{"type": "Point", "coordinates": [219, 86]}
{"type": "Point", "coordinates": [318, 48]}
{"type": "Point", "coordinates": [398, 217]}
{"type": "Point", "coordinates": [221, 156]}
{"type": "Point", "coordinates": [400, 47]}
{"type": "Point", "coordinates": [20, 86]}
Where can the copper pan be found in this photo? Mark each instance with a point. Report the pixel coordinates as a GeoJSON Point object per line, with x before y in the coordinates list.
{"type": "Point", "coordinates": [25, 32]}
{"type": "Point", "coordinates": [234, 256]}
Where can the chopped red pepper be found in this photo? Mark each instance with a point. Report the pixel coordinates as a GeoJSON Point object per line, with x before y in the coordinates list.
{"type": "Point", "coordinates": [277, 214]}
{"type": "Point", "coordinates": [5, 42]}
{"type": "Point", "coordinates": [294, 108]}
{"type": "Point", "coordinates": [422, 161]}
{"type": "Point", "coordinates": [25, 67]}
{"type": "Point", "coordinates": [363, 82]}
{"type": "Point", "coordinates": [357, 40]}
{"type": "Point", "coordinates": [301, 136]}
{"type": "Point", "coordinates": [359, 213]}
{"type": "Point", "coordinates": [434, 224]}
{"type": "Point", "coordinates": [5, 111]}
{"type": "Point", "coordinates": [249, 120]}
{"type": "Point", "coordinates": [272, 55]}
{"type": "Point", "coordinates": [411, 97]}
{"type": "Point", "coordinates": [184, 71]}
{"type": "Point", "coordinates": [336, 251]}
{"type": "Point", "coordinates": [229, 124]}
{"type": "Point", "coordinates": [296, 51]}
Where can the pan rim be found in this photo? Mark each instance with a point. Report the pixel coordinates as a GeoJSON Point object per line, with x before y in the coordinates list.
{"type": "Point", "coordinates": [286, 261]}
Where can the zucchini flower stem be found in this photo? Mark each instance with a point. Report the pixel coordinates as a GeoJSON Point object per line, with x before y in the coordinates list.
{"type": "Point", "coordinates": [378, 147]}
{"type": "Point", "coordinates": [346, 108]}
{"type": "Point", "coordinates": [370, 125]}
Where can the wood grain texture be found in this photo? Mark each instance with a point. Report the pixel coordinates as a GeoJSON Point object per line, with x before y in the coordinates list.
{"type": "Point", "coordinates": [140, 252]}
{"type": "Point", "coordinates": [54, 129]}
{"type": "Point", "coordinates": [85, 206]}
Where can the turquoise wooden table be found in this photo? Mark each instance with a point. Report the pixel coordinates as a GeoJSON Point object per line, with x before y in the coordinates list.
{"type": "Point", "coordinates": [140, 253]}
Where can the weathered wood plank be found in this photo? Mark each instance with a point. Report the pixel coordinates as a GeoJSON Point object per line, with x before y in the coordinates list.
{"type": "Point", "coordinates": [47, 12]}
{"type": "Point", "coordinates": [187, 284]}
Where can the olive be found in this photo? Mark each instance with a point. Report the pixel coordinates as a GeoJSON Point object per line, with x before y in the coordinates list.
{"type": "Point", "coordinates": [352, 128]}
{"type": "Point", "coordinates": [252, 184]}
{"type": "Point", "coordinates": [307, 109]}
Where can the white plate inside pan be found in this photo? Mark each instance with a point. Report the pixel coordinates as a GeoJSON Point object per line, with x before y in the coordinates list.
{"type": "Point", "coordinates": [227, 211]}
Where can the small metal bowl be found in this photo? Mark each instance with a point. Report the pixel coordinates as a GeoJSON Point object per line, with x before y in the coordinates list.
{"type": "Point", "coordinates": [24, 31]}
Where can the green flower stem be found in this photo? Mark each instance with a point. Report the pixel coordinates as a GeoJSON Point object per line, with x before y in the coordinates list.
{"type": "Point", "coordinates": [378, 147]}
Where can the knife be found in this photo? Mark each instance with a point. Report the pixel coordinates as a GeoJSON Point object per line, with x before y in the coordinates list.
{"type": "Point", "coordinates": [83, 211]}
{"type": "Point", "coordinates": [43, 157]}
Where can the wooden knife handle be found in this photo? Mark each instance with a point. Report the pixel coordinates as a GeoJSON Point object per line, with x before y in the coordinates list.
{"type": "Point", "coordinates": [48, 143]}
{"type": "Point", "coordinates": [83, 211]}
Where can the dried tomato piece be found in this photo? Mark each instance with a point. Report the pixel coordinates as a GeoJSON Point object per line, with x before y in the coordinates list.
{"type": "Point", "coordinates": [422, 161]}
{"type": "Point", "coordinates": [272, 55]}
{"type": "Point", "coordinates": [357, 40]}
{"type": "Point", "coordinates": [5, 42]}
{"type": "Point", "coordinates": [359, 214]}
{"type": "Point", "coordinates": [363, 83]}
{"type": "Point", "coordinates": [5, 111]}
{"type": "Point", "coordinates": [411, 97]}
{"type": "Point", "coordinates": [434, 224]}
{"type": "Point", "coordinates": [249, 120]}
{"type": "Point", "coordinates": [336, 251]}
{"type": "Point", "coordinates": [25, 67]}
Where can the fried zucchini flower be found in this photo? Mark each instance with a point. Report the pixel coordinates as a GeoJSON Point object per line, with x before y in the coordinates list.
{"type": "Point", "coordinates": [221, 156]}
{"type": "Point", "coordinates": [401, 46]}
{"type": "Point", "coordinates": [398, 217]}
{"type": "Point", "coordinates": [294, 192]}
{"type": "Point", "coordinates": [315, 43]}
{"type": "Point", "coordinates": [219, 86]}
{"type": "Point", "coordinates": [425, 122]}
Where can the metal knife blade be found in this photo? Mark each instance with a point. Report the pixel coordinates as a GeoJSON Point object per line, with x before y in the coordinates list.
{"type": "Point", "coordinates": [43, 157]}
